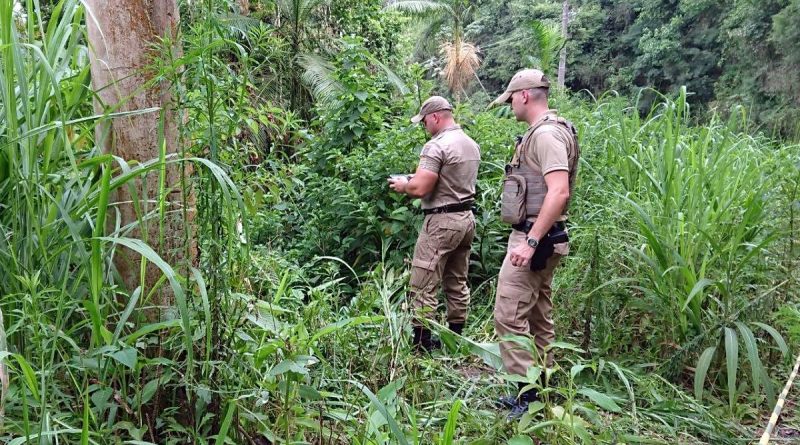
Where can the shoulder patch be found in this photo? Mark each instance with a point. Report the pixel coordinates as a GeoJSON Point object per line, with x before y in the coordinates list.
{"type": "Point", "coordinates": [428, 147]}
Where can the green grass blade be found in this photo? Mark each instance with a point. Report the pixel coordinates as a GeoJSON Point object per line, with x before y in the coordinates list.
{"type": "Point", "coordinates": [85, 429]}
{"type": "Point", "coordinates": [393, 426]}
{"type": "Point", "coordinates": [180, 298]}
{"type": "Point", "coordinates": [628, 387]}
{"type": "Point", "coordinates": [28, 375]}
{"type": "Point", "coordinates": [756, 367]}
{"type": "Point", "coordinates": [775, 336]}
{"type": "Point", "coordinates": [731, 363]}
{"type": "Point", "coordinates": [226, 423]}
{"type": "Point", "coordinates": [129, 308]}
{"type": "Point", "coordinates": [450, 426]}
{"type": "Point", "coordinates": [97, 245]}
{"type": "Point", "coordinates": [697, 289]}
{"type": "Point", "coordinates": [701, 370]}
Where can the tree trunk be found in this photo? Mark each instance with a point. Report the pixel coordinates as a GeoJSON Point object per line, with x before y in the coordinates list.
{"type": "Point", "coordinates": [123, 35]}
{"type": "Point", "coordinates": [244, 7]}
{"type": "Point", "coordinates": [562, 62]}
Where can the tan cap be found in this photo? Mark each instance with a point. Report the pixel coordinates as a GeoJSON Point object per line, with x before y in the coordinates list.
{"type": "Point", "coordinates": [432, 105]}
{"type": "Point", "coordinates": [523, 80]}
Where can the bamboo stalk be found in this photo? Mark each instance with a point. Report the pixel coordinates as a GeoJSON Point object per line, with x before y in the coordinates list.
{"type": "Point", "coordinates": [776, 412]}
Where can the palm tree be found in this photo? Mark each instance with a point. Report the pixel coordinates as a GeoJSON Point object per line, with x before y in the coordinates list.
{"type": "Point", "coordinates": [460, 57]}
{"type": "Point", "coordinates": [296, 15]}
{"type": "Point", "coordinates": [547, 43]}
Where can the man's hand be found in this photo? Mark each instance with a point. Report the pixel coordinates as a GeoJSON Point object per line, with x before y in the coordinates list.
{"type": "Point", "coordinates": [398, 184]}
{"type": "Point", "coordinates": [521, 255]}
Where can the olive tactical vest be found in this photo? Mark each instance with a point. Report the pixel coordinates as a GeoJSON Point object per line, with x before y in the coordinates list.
{"type": "Point", "coordinates": [535, 186]}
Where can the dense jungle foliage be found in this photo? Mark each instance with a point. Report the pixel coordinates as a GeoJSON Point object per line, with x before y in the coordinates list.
{"type": "Point", "coordinates": [677, 310]}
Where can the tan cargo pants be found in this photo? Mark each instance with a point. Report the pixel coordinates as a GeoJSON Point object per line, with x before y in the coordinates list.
{"type": "Point", "coordinates": [523, 306]}
{"type": "Point", "coordinates": [442, 256]}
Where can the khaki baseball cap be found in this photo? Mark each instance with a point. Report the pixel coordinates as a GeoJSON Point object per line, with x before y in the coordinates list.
{"type": "Point", "coordinates": [523, 80]}
{"type": "Point", "coordinates": [432, 105]}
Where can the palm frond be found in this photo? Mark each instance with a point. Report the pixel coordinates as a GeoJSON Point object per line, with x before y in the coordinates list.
{"type": "Point", "coordinates": [461, 62]}
{"type": "Point", "coordinates": [426, 42]}
{"type": "Point", "coordinates": [548, 41]}
{"type": "Point", "coordinates": [298, 10]}
{"type": "Point", "coordinates": [318, 77]}
{"type": "Point", "coordinates": [393, 78]}
{"type": "Point", "coordinates": [420, 7]}
{"type": "Point", "coordinates": [238, 24]}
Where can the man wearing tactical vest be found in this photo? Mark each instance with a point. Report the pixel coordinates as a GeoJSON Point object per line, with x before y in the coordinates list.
{"type": "Point", "coordinates": [445, 180]}
{"type": "Point", "coordinates": [536, 192]}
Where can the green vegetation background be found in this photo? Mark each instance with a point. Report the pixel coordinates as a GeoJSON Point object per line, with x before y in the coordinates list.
{"type": "Point", "coordinates": [677, 310]}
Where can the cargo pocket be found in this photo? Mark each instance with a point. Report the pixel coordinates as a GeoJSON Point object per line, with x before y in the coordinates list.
{"type": "Point", "coordinates": [422, 271]}
{"type": "Point", "coordinates": [510, 307]}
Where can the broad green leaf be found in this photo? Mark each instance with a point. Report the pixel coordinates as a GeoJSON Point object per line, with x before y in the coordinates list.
{"type": "Point", "coordinates": [756, 368]}
{"type": "Point", "coordinates": [775, 336]}
{"type": "Point", "coordinates": [393, 426]}
{"type": "Point", "coordinates": [701, 370]}
{"type": "Point", "coordinates": [127, 357]}
{"type": "Point", "coordinates": [146, 251]}
{"type": "Point", "coordinates": [732, 362]}
{"type": "Point", "coordinates": [226, 423]}
{"type": "Point", "coordinates": [149, 328]}
{"type": "Point", "coordinates": [520, 440]}
{"type": "Point", "coordinates": [28, 375]}
{"type": "Point", "coordinates": [534, 374]}
{"type": "Point", "coordinates": [450, 426]}
{"type": "Point", "coordinates": [566, 346]}
{"type": "Point", "coordinates": [148, 391]}
{"type": "Point", "coordinates": [535, 407]}
{"type": "Point", "coordinates": [698, 287]}
{"type": "Point", "coordinates": [577, 369]}
{"type": "Point", "coordinates": [601, 400]}
{"type": "Point", "coordinates": [353, 321]}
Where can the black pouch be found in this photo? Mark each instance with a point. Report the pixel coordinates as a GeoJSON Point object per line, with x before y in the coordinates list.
{"type": "Point", "coordinates": [546, 247]}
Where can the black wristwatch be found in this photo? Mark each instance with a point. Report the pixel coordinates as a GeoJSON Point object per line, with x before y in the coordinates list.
{"type": "Point", "coordinates": [532, 242]}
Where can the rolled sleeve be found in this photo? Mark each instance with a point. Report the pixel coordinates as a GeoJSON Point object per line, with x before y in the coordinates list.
{"type": "Point", "coordinates": [432, 157]}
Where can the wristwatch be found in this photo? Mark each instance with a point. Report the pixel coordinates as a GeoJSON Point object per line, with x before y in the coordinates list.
{"type": "Point", "coordinates": [532, 242]}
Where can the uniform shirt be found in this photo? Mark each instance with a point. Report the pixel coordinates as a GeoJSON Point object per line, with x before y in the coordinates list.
{"type": "Point", "coordinates": [547, 151]}
{"type": "Point", "coordinates": [455, 157]}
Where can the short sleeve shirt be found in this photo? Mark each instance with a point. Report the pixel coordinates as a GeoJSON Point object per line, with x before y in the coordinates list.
{"type": "Point", "coordinates": [455, 157]}
{"type": "Point", "coordinates": [545, 150]}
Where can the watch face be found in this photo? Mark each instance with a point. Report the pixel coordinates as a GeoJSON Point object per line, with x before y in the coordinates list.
{"type": "Point", "coordinates": [532, 242]}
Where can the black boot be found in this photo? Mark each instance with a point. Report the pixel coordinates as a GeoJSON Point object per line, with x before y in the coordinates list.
{"type": "Point", "coordinates": [423, 341]}
{"type": "Point", "coordinates": [522, 402]}
{"type": "Point", "coordinates": [458, 328]}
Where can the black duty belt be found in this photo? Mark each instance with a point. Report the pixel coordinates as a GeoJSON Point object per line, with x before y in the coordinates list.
{"type": "Point", "coordinates": [451, 208]}
{"type": "Point", "coordinates": [525, 226]}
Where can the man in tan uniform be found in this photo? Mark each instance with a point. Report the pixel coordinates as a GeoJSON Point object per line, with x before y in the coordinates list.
{"type": "Point", "coordinates": [547, 159]}
{"type": "Point", "coordinates": [445, 180]}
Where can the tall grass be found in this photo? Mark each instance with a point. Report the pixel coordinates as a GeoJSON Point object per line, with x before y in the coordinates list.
{"type": "Point", "coordinates": [261, 349]}
{"type": "Point", "coordinates": [72, 334]}
{"type": "Point", "coordinates": [695, 209]}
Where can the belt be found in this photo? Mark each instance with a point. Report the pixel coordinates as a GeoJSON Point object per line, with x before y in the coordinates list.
{"type": "Point", "coordinates": [451, 208]}
{"type": "Point", "coordinates": [525, 226]}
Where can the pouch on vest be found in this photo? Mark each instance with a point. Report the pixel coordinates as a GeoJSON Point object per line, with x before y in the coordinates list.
{"type": "Point", "coordinates": [515, 192]}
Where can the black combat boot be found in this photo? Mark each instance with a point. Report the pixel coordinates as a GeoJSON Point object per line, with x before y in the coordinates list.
{"type": "Point", "coordinates": [520, 406]}
{"type": "Point", "coordinates": [422, 340]}
{"type": "Point", "coordinates": [458, 328]}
